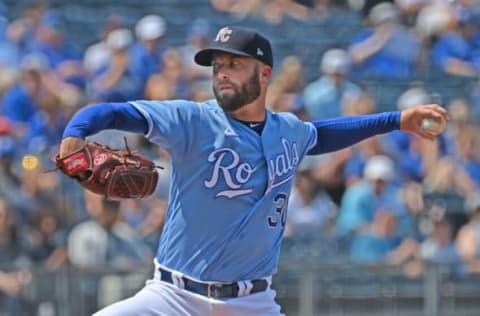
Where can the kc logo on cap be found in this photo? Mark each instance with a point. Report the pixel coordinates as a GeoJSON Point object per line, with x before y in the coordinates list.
{"type": "Point", "coordinates": [223, 35]}
{"type": "Point", "coordinates": [237, 41]}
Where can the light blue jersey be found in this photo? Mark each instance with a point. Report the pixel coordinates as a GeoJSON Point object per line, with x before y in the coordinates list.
{"type": "Point", "coordinates": [229, 187]}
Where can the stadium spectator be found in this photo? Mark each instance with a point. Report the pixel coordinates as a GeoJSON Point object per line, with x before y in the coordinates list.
{"type": "Point", "coordinates": [387, 49]}
{"type": "Point", "coordinates": [134, 212]}
{"type": "Point", "coordinates": [238, 8]}
{"type": "Point", "coordinates": [329, 173]}
{"type": "Point", "coordinates": [414, 157]}
{"type": "Point", "coordinates": [456, 50]}
{"type": "Point", "coordinates": [468, 237]}
{"type": "Point", "coordinates": [98, 54]}
{"type": "Point", "coordinates": [460, 115]}
{"type": "Point", "coordinates": [323, 98]}
{"type": "Point", "coordinates": [409, 223]}
{"type": "Point", "coordinates": [405, 202]}
{"type": "Point", "coordinates": [419, 159]}
{"type": "Point", "coordinates": [361, 104]}
{"type": "Point", "coordinates": [20, 102]}
{"type": "Point", "coordinates": [13, 258]}
{"type": "Point", "coordinates": [45, 242]}
{"type": "Point", "coordinates": [446, 175]}
{"type": "Point", "coordinates": [474, 99]}
{"type": "Point", "coordinates": [12, 284]}
{"type": "Point", "coordinates": [275, 11]}
{"type": "Point", "coordinates": [360, 154]}
{"type": "Point", "coordinates": [9, 57]}
{"type": "Point", "coordinates": [199, 77]}
{"type": "Point", "coordinates": [201, 91]}
{"type": "Point", "coordinates": [22, 30]}
{"type": "Point", "coordinates": [440, 248]}
{"type": "Point", "coordinates": [197, 38]}
{"type": "Point", "coordinates": [105, 240]}
{"type": "Point", "coordinates": [284, 94]}
{"type": "Point", "coordinates": [43, 130]}
{"type": "Point", "coordinates": [39, 104]}
{"type": "Point", "coordinates": [12, 244]}
{"type": "Point", "coordinates": [147, 52]}
{"type": "Point", "coordinates": [171, 82]}
{"type": "Point", "coordinates": [118, 81]}
{"type": "Point", "coordinates": [51, 41]}
{"type": "Point", "coordinates": [152, 225]}
{"type": "Point", "coordinates": [361, 200]}
{"type": "Point", "coordinates": [374, 242]}
{"type": "Point", "coordinates": [36, 190]}
{"type": "Point", "coordinates": [467, 161]}
{"type": "Point", "coordinates": [8, 148]}
{"type": "Point", "coordinates": [310, 208]}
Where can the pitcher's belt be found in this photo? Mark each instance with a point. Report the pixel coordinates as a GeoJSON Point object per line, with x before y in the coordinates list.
{"type": "Point", "coordinates": [214, 290]}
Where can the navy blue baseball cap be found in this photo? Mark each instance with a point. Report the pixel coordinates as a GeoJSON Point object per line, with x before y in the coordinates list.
{"type": "Point", "coordinates": [239, 41]}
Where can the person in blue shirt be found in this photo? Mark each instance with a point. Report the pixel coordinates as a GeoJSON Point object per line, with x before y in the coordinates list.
{"type": "Point", "coordinates": [9, 51]}
{"type": "Point", "coordinates": [63, 57]}
{"type": "Point", "coordinates": [51, 41]}
{"type": "Point", "coordinates": [117, 80]}
{"type": "Point", "coordinates": [439, 247]}
{"type": "Point", "coordinates": [9, 57]}
{"type": "Point", "coordinates": [232, 167]}
{"type": "Point", "coordinates": [374, 243]}
{"type": "Point", "coordinates": [456, 52]}
{"type": "Point", "coordinates": [21, 30]}
{"type": "Point", "coordinates": [20, 102]}
{"type": "Point", "coordinates": [43, 131]}
{"type": "Point", "coordinates": [387, 49]}
{"type": "Point", "coordinates": [147, 53]}
{"type": "Point", "coordinates": [377, 189]}
{"type": "Point", "coordinates": [324, 97]}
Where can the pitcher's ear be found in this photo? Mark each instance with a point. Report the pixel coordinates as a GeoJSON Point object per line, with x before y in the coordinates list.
{"type": "Point", "coordinates": [265, 73]}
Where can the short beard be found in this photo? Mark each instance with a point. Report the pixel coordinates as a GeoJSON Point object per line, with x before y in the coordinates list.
{"type": "Point", "coordinates": [247, 93]}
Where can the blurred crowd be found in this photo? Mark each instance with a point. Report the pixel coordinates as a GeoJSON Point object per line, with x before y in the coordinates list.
{"type": "Point", "coordinates": [393, 199]}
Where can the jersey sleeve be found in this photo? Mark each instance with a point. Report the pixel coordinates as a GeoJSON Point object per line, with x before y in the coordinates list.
{"type": "Point", "coordinates": [311, 136]}
{"type": "Point", "coordinates": [171, 124]}
{"type": "Point", "coordinates": [306, 132]}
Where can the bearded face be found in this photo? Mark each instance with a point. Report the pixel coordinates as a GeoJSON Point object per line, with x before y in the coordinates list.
{"type": "Point", "coordinates": [237, 95]}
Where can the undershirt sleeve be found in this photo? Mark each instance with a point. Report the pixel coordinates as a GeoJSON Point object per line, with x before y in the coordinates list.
{"type": "Point", "coordinates": [97, 117]}
{"type": "Point", "coordinates": [338, 133]}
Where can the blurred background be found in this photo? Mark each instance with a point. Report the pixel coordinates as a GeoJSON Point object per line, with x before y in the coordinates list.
{"type": "Point", "coordinates": [390, 226]}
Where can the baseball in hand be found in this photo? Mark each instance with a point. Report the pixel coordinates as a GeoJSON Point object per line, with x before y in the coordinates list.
{"type": "Point", "coordinates": [433, 126]}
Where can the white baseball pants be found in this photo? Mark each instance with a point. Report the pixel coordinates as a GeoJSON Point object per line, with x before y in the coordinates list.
{"type": "Point", "coordinates": [159, 298]}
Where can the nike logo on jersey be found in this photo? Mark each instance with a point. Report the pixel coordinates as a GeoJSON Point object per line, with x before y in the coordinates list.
{"type": "Point", "coordinates": [253, 125]}
{"type": "Point", "coordinates": [230, 132]}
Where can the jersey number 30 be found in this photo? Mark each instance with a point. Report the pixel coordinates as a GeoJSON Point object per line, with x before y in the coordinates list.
{"type": "Point", "coordinates": [280, 216]}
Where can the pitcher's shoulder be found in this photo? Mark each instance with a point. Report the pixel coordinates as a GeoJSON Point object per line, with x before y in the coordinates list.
{"type": "Point", "coordinates": [285, 118]}
{"type": "Point", "coordinates": [173, 102]}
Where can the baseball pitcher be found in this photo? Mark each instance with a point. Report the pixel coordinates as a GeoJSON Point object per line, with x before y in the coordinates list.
{"type": "Point", "coordinates": [233, 163]}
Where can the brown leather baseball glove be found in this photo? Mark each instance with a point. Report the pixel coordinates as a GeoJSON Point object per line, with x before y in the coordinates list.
{"type": "Point", "coordinates": [114, 173]}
